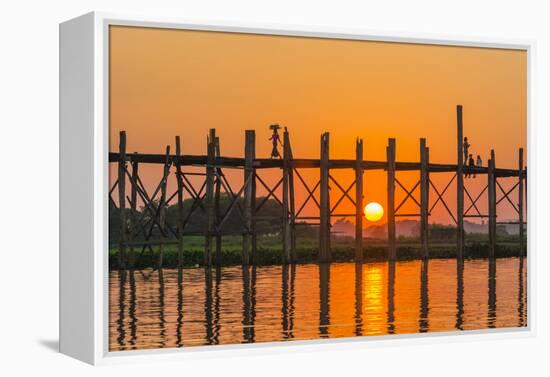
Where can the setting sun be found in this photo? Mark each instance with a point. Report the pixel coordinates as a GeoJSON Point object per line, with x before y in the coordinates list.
{"type": "Point", "coordinates": [374, 211]}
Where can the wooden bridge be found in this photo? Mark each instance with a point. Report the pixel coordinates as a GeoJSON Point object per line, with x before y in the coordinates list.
{"type": "Point", "coordinates": [244, 202]}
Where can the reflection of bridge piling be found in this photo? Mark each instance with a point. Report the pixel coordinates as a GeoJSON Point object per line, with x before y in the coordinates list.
{"type": "Point", "coordinates": [138, 228]}
{"type": "Point", "coordinates": [459, 295]}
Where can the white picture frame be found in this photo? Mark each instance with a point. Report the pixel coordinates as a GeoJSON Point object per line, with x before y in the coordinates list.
{"type": "Point", "coordinates": [84, 179]}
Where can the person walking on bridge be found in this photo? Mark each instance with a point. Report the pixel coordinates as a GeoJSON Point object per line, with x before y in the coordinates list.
{"type": "Point", "coordinates": [275, 140]}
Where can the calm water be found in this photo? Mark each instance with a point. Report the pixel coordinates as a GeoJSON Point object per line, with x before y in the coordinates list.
{"type": "Point", "coordinates": [261, 304]}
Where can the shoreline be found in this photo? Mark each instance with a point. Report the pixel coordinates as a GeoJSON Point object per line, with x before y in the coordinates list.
{"type": "Point", "coordinates": [272, 257]}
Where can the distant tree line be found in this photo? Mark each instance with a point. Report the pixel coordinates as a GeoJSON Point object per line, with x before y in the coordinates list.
{"type": "Point", "coordinates": [268, 219]}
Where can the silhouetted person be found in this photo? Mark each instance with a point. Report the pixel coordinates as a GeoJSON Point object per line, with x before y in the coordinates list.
{"type": "Point", "coordinates": [471, 165]}
{"type": "Point", "coordinates": [275, 140]}
{"type": "Point", "coordinates": [479, 163]}
{"type": "Point", "coordinates": [466, 149]}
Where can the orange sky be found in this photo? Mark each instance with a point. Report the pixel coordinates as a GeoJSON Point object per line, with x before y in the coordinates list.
{"type": "Point", "coordinates": [173, 82]}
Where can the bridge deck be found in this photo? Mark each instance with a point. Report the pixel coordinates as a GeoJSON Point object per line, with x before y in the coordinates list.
{"type": "Point", "coordinates": [304, 163]}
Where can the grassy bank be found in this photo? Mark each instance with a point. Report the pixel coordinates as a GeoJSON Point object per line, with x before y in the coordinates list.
{"type": "Point", "coordinates": [269, 251]}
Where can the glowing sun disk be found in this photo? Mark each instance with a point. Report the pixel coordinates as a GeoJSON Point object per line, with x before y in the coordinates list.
{"type": "Point", "coordinates": [374, 211]}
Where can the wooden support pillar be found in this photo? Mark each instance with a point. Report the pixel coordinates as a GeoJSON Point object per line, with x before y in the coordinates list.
{"type": "Point", "coordinates": [359, 200]}
{"type": "Point", "coordinates": [162, 206]}
{"type": "Point", "coordinates": [253, 208]}
{"type": "Point", "coordinates": [210, 210]}
{"type": "Point", "coordinates": [291, 203]}
{"type": "Point", "coordinates": [521, 177]}
{"type": "Point", "coordinates": [122, 200]}
{"type": "Point", "coordinates": [286, 257]}
{"type": "Point", "coordinates": [324, 215]}
{"type": "Point", "coordinates": [217, 209]}
{"type": "Point", "coordinates": [491, 193]}
{"type": "Point", "coordinates": [179, 179]}
{"type": "Point", "coordinates": [459, 185]}
{"type": "Point", "coordinates": [249, 194]}
{"type": "Point", "coordinates": [390, 154]}
{"type": "Point", "coordinates": [133, 204]}
{"type": "Point", "coordinates": [424, 197]}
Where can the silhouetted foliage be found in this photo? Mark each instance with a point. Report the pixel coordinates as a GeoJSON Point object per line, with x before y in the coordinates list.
{"type": "Point", "coordinates": [269, 221]}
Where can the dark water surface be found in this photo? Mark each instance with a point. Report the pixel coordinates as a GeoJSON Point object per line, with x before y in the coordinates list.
{"type": "Point", "coordinates": [272, 303]}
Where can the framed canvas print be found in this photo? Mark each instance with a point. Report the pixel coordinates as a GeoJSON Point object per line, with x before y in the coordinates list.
{"type": "Point", "coordinates": [225, 185]}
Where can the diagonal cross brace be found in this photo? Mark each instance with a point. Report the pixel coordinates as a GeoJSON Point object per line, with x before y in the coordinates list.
{"type": "Point", "coordinates": [505, 195]}
{"type": "Point", "coordinates": [310, 195]}
{"type": "Point", "coordinates": [344, 195]}
{"type": "Point", "coordinates": [233, 203]}
{"type": "Point", "coordinates": [409, 195]}
{"type": "Point", "coordinates": [474, 201]}
{"type": "Point", "coordinates": [440, 197]}
{"type": "Point", "coordinates": [270, 192]}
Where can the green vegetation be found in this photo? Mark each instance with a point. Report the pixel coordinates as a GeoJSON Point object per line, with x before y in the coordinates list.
{"type": "Point", "coordinates": [269, 251]}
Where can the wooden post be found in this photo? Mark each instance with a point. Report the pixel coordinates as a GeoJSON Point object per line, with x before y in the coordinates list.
{"type": "Point", "coordinates": [390, 152]}
{"type": "Point", "coordinates": [291, 201]}
{"type": "Point", "coordinates": [286, 257]}
{"type": "Point", "coordinates": [491, 191]}
{"type": "Point", "coordinates": [520, 201]}
{"type": "Point", "coordinates": [179, 179]}
{"type": "Point", "coordinates": [162, 205]}
{"type": "Point", "coordinates": [122, 199]}
{"type": "Point", "coordinates": [424, 197]}
{"type": "Point", "coordinates": [210, 210]}
{"type": "Point", "coordinates": [249, 156]}
{"type": "Point", "coordinates": [459, 185]}
{"type": "Point", "coordinates": [217, 209]}
{"type": "Point", "coordinates": [133, 204]}
{"type": "Point", "coordinates": [324, 216]}
{"type": "Point", "coordinates": [253, 208]}
{"type": "Point", "coordinates": [359, 200]}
